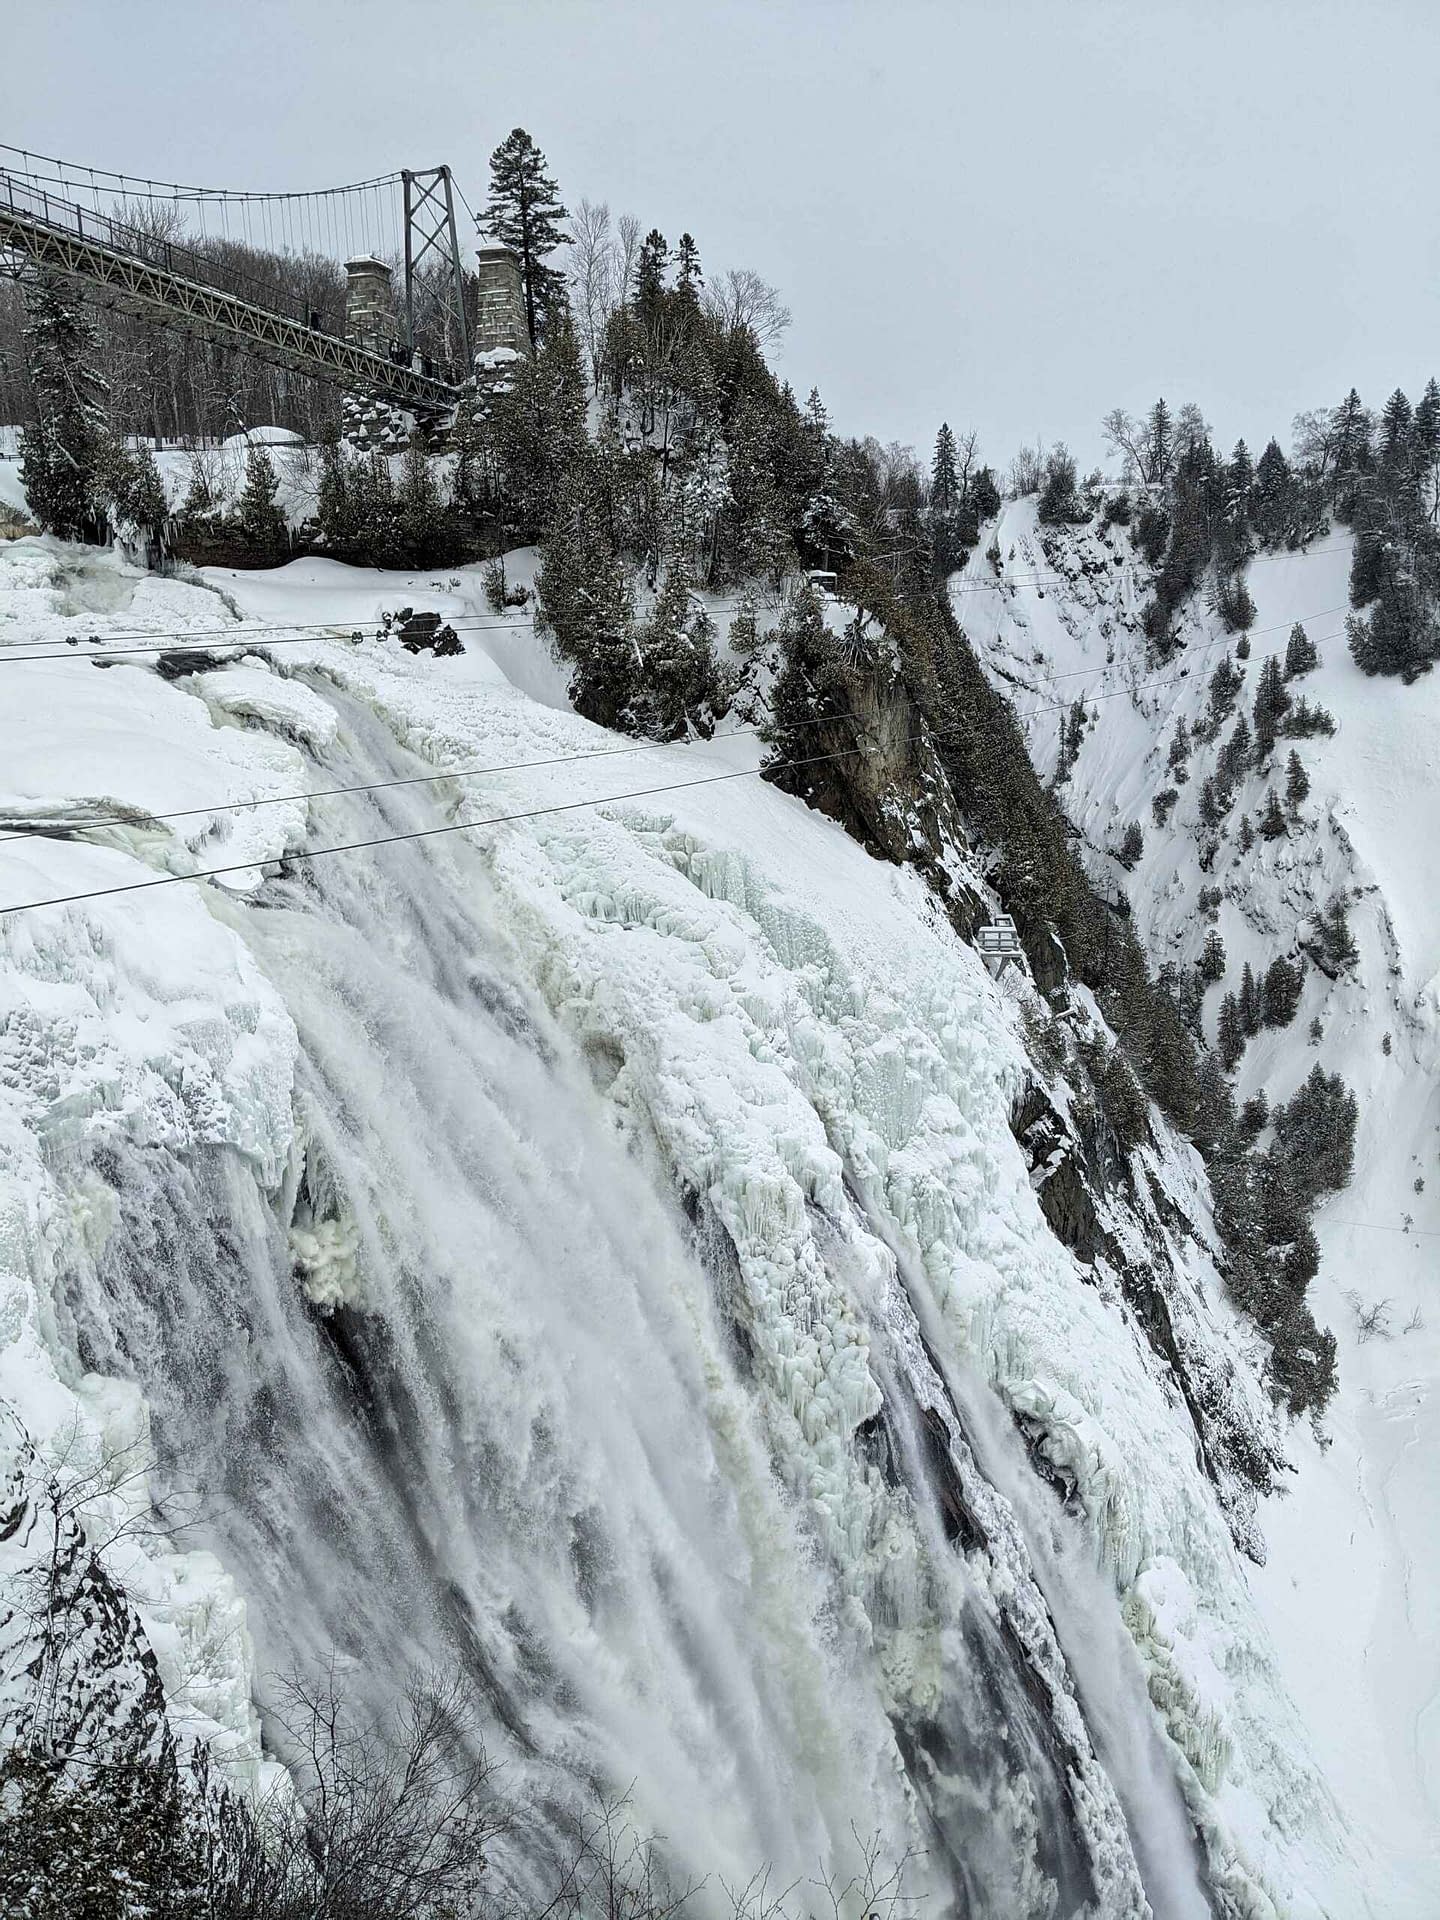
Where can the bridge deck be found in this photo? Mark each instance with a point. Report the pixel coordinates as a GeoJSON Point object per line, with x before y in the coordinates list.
{"type": "Point", "coordinates": [162, 283]}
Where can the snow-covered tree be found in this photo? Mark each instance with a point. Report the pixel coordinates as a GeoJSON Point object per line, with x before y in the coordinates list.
{"type": "Point", "coordinates": [1297, 782]}
{"type": "Point", "coordinates": [259, 520]}
{"type": "Point", "coordinates": [68, 457]}
{"type": "Point", "coordinates": [524, 213]}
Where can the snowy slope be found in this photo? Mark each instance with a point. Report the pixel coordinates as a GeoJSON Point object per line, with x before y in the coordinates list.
{"type": "Point", "coordinates": [691, 1124]}
{"type": "Point", "coordinates": [1355, 1544]}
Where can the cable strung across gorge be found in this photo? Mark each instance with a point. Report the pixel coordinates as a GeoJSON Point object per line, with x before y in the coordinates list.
{"type": "Point", "coordinates": [306, 632]}
{"type": "Point", "coordinates": [501, 819]}
{"type": "Point", "coordinates": [61, 827]}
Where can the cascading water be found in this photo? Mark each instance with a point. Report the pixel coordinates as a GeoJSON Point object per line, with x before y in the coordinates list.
{"type": "Point", "coordinates": [468, 1391]}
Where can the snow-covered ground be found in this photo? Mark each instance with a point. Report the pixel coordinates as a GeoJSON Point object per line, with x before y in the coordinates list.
{"type": "Point", "coordinates": [1354, 1567]}
{"type": "Point", "coordinates": [787, 1037]}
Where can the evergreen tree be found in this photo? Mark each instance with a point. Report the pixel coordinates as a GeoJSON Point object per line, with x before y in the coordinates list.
{"type": "Point", "coordinates": [1351, 429]}
{"type": "Point", "coordinates": [1231, 1036]}
{"type": "Point", "coordinates": [334, 502]}
{"type": "Point", "coordinates": [1214, 1104]}
{"type": "Point", "coordinates": [1272, 819]}
{"type": "Point", "coordinates": [1297, 782]}
{"type": "Point", "coordinates": [1336, 941]}
{"type": "Point", "coordinates": [1246, 837]}
{"type": "Point", "coordinates": [68, 456]}
{"type": "Point", "coordinates": [1396, 420]}
{"type": "Point", "coordinates": [539, 428]}
{"type": "Point", "coordinates": [1315, 1137]}
{"type": "Point", "coordinates": [1303, 721]}
{"type": "Point", "coordinates": [688, 277]}
{"type": "Point", "coordinates": [1271, 702]}
{"type": "Point", "coordinates": [524, 213]}
{"type": "Point", "coordinates": [1132, 845]}
{"type": "Point", "coordinates": [944, 480]}
{"type": "Point", "coordinates": [1272, 504]}
{"type": "Point", "coordinates": [421, 522]}
{"type": "Point", "coordinates": [651, 269]}
{"type": "Point", "coordinates": [680, 687]}
{"type": "Point", "coordinates": [985, 495]}
{"type": "Point", "coordinates": [1235, 754]}
{"type": "Point", "coordinates": [260, 522]}
{"type": "Point", "coordinates": [1300, 653]}
{"type": "Point", "coordinates": [1211, 965]}
{"type": "Point", "coordinates": [1281, 991]}
{"type": "Point", "coordinates": [140, 505]}
{"type": "Point", "coordinates": [584, 595]}
{"type": "Point", "coordinates": [1060, 503]}
{"type": "Point", "coordinates": [1252, 1010]}
{"type": "Point", "coordinates": [1160, 445]}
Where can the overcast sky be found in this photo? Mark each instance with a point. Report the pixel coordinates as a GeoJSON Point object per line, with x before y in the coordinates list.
{"type": "Point", "coordinates": [1012, 215]}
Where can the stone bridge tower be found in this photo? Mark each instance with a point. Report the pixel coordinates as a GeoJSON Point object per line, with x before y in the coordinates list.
{"type": "Point", "coordinates": [500, 304]}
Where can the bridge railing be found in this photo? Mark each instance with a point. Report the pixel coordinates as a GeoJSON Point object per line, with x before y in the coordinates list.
{"type": "Point", "coordinates": [174, 256]}
{"type": "Point", "coordinates": [34, 207]}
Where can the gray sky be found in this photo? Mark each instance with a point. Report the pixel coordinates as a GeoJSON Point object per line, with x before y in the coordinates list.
{"type": "Point", "coordinates": [1011, 215]}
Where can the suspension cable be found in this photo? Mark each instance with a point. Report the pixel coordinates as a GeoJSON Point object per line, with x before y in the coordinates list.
{"type": "Point", "coordinates": [171, 189]}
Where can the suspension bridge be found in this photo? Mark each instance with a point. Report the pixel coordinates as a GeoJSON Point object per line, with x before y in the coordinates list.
{"type": "Point", "coordinates": [303, 280]}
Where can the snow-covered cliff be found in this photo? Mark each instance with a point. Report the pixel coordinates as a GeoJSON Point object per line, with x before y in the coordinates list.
{"type": "Point", "coordinates": [1350, 1568]}
{"type": "Point", "coordinates": [595, 1251]}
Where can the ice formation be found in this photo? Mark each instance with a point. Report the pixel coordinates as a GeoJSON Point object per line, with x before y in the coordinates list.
{"type": "Point", "coordinates": [593, 1251]}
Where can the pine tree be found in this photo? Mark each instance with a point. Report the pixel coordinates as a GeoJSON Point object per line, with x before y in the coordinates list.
{"type": "Point", "coordinates": [1273, 500]}
{"type": "Point", "coordinates": [944, 480]}
{"type": "Point", "coordinates": [68, 456]}
{"type": "Point", "coordinates": [1297, 782]}
{"type": "Point", "coordinates": [1336, 940]}
{"type": "Point", "coordinates": [1239, 486]}
{"type": "Point", "coordinates": [1160, 445]}
{"type": "Point", "coordinates": [688, 277]}
{"type": "Point", "coordinates": [1271, 702]}
{"type": "Point", "coordinates": [1059, 500]}
{"type": "Point", "coordinates": [1272, 819]}
{"type": "Point", "coordinates": [524, 213]}
{"type": "Point", "coordinates": [585, 598]}
{"type": "Point", "coordinates": [1214, 1104]}
{"type": "Point", "coordinates": [1211, 965]}
{"type": "Point", "coordinates": [260, 521]}
{"type": "Point", "coordinates": [1231, 1037]}
{"type": "Point", "coordinates": [1246, 838]}
{"type": "Point", "coordinates": [421, 526]}
{"type": "Point", "coordinates": [680, 687]}
{"type": "Point", "coordinates": [1132, 845]}
{"type": "Point", "coordinates": [1281, 990]}
{"type": "Point", "coordinates": [650, 270]}
{"type": "Point", "coordinates": [1300, 653]}
{"type": "Point", "coordinates": [1235, 754]}
{"type": "Point", "coordinates": [1252, 1011]}
{"type": "Point", "coordinates": [140, 503]}
{"type": "Point", "coordinates": [985, 494]}
{"type": "Point", "coordinates": [1396, 420]}
{"type": "Point", "coordinates": [334, 502]}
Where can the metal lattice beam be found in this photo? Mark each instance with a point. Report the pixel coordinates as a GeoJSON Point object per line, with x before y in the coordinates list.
{"type": "Point", "coordinates": [145, 287]}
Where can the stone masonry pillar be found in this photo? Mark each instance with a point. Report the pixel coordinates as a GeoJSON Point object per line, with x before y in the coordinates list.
{"type": "Point", "coordinates": [500, 305]}
{"type": "Point", "coordinates": [369, 303]}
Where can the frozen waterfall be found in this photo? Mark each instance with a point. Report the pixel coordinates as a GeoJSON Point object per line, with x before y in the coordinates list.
{"type": "Point", "coordinates": [478, 1387]}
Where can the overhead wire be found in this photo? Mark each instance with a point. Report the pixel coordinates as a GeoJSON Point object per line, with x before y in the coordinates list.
{"type": "Point", "coordinates": [180, 640]}
{"type": "Point", "coordinates": [245, 866]}
{"type": "Point", "coordinates": [61, 827]}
